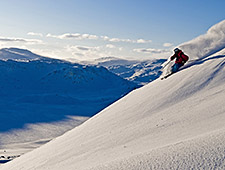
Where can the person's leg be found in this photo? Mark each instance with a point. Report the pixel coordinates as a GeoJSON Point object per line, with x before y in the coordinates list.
{"type": "Point", "coordinates": [176, 67]}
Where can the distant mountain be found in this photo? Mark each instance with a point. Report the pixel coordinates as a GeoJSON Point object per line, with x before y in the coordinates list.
{"type": "Point", "coordinates": [140, 72]}
{"type": "Point", "coordinates": [37, 91]}
{"type": "Point", "coordinates": [18, 54]}
{"type": "Point", "coordinates": [40, 76]}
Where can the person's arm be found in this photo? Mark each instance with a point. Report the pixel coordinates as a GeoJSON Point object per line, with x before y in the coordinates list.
{"type": "Point", "coordinates": [172, 57]}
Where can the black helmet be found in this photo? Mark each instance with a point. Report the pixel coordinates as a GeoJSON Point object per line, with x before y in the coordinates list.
{"type": "Point", "coordinates": [176, 50]}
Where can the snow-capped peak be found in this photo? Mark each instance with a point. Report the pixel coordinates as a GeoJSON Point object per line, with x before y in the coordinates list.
{"type": "Point", "coordinates": [18, 54]}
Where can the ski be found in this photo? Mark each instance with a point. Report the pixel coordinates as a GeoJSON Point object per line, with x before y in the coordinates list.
{"type": "Point", "coordinates": [166, 76]}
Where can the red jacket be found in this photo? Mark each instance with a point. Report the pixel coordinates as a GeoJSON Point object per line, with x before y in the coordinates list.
{"type": "Point", "coordinates": [181, 58]}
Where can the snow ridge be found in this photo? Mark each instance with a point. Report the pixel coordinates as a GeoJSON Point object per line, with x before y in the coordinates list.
{"type": "Point", "coordinates": [207, 44]}
{"type": "Point", "coordinates": [140, 72]}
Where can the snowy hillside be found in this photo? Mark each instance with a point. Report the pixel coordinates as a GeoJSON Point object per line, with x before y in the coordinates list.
{"type": "Point", "coordinates": [140, 72]}
{"type": "Point", "coordinates": [42, 98]}
{"type": "Point", "coordinates": [177, 123]}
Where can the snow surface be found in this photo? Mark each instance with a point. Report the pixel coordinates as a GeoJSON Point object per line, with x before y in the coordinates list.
{"type": "Point", "coordinates": [42, 98]}
{"type": "Point", "coordinates": [177, 123]}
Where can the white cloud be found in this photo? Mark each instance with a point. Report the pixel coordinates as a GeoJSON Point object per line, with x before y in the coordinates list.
{"type": "Point", "coordinates": [151, 50]}
{"type": "Point", "coordinates": [21, 40]}
{"type": "Point", "coordinates": [110, 46]}
{"type": "Point", "coordinates": [74, 36]}
{"type": "Point", "coordinates": [82, 48]}
{"type": "Point", "coordinates": [106, 38]}
{"type": "Point", "coordinates": [167, 44]}
{"type": "Point", "coordinates": [143, 41]}
{"type": "Point", "coordinates": [64, 36]}
{"type": "Point", "coordinates": [51, 36]}
{"type": "Point", "coordinates": [88, 36]}
{"type": "Point", "coordinates": [78, 54]}
{"type": "Point", "coordinates": [87, 52]}
{"type": "Point", "coordinates": [5, 39]}
{"type": "Point", "coordinates": [67, 35]}
{"type": "Point", "coordinates": [121, 48]}
{"type": "Point", "coordinates": [139, 41]}
{"type": "Point", "coordinates": [120, 40]}
{"type": "Point", "coordinates": [79, 36]}
{"type": "Point", "coordinates": [35, 34]}
{"type": "Point", "coordinates": [115, 40]}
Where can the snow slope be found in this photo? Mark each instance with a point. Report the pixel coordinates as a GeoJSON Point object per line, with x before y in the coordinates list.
{"type": "Point", "coordinates": [210, 43]}
{"type": "Point", "coordinates": [177, 123]}
{"type": "Point", "coordinates": [140, 72]}
{"type": "Point", "coordinates": [41, 98]}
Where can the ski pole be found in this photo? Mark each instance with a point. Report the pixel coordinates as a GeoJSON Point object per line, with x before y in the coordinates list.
{"type": "Point", "coordinates": [166, 64]}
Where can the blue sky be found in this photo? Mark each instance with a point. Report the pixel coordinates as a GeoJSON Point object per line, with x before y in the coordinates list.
{"type": "Point", "coordinates": [88, 29]}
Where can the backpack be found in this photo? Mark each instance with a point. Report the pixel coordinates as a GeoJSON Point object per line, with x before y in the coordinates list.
{"type": "Point", "coordinates": [184, 57]}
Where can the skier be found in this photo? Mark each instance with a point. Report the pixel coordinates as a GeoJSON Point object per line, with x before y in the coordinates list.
{"type": "Point", "coordinates": [181, 59]}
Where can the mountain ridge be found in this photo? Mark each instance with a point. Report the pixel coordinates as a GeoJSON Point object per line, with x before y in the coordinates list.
{"type": "Point", "coordinates": [141, 72]}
